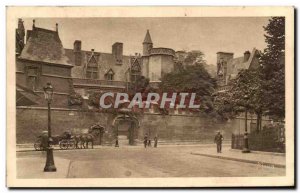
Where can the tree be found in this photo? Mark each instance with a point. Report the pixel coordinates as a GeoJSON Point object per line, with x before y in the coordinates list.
{"type": "Point", "coordinates": [192, 79]}
{"type": "Point", "coordinates": [273, 63]}
{"type": "Point", "coordinates": [184, 58]}
{"type": "Point", "coordinates": [248, 83]}
{"type": "Point", "coordinates": [140, 85]}
{"type": "Point", "coordinates": [223, 106]}
{"type": "Point", "coordinates": [265, 85]}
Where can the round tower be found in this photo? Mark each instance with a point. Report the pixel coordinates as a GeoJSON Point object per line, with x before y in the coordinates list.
{"type": "Point", "coordinates": [161, 61]}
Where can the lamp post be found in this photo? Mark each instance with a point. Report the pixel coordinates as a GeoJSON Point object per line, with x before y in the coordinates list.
{"type": "Point", "coordinates": [246, 144]}
{"type": "Point", "coordinates": [49, 167]}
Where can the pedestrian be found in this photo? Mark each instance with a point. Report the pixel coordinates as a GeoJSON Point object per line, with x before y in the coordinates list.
{"type": "Point", "coordinates": [155, 142]}
{"type": "Point", "coordinates": [218, 141]}
{"type": "Point", "coordinates": [117, 142]}
{"type": "Point", "coordinates": [145, 140]}
{"type": "Point", "coordinates": [44, 141]}
{"type": "Point", "coordinates": [149, 143]}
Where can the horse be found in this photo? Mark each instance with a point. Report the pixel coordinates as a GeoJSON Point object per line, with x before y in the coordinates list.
{"type": "Point", "coordinates": [85, 138]}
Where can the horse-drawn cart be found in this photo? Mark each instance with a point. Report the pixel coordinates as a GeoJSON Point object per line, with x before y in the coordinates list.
{"type": "Point", "coordinates": [69, 141]}
{"type": "Point", "coordinates": [65, 141]}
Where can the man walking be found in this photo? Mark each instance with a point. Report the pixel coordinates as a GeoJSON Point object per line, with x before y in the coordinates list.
{"type": "Point", "coordinates": [218, 141]}
{"type": "Point", "coordinates": [145, 140]}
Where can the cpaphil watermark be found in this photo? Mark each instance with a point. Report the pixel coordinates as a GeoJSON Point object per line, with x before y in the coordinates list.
{"type": "Point", "coordinates": [139, 100]}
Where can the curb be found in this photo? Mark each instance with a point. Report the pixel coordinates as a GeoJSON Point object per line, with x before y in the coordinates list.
{"type": "Point", "coordinates": [261, 152]}
{"type": "Point", "coordinates": [29, 149]}
{"type": "Point", "coordinates": [262, 163]}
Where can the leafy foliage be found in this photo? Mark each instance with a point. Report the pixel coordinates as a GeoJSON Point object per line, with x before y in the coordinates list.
{"type": "Point", "coordinates": [273, 65]}
{"type": "Point", "coordinates": [192, 77]}
{"type": "Point", "coordinates": [264, 86]}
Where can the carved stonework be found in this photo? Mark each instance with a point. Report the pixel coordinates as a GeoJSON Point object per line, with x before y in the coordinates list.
{"type": "Point", "coordinates": [162, 51]}
{"type": "Point", "coordinates": [75, 99]}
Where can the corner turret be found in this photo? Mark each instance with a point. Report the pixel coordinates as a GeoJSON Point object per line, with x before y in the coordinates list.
{"type": "Point", "coordinates": [147, 44]}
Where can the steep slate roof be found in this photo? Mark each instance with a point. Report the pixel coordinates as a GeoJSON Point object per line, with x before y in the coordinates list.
{"type": "Point", "coordinates": [106, 61]}
{"type": "Point", "coordinates": [236, 64]}
{"type": "Point", "coordinates": [147, 38]}
{"type": "Point", "coordinates": [45, 46]}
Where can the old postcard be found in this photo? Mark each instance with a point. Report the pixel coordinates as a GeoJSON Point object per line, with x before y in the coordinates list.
{"type": "Point", "coordinates": [150, 96]}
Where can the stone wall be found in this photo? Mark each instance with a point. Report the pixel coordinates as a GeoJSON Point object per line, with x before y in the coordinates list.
{"type": "Point", "coordinates": [32, 121]}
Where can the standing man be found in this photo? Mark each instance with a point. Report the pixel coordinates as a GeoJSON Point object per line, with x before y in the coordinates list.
{"type": "Point", "coordinates": [145, 140]}
{"type": "Point", "coordinates": [117, 141]}
{"type": "Point", "coordinates": [218, 141]}
{"type": "Point", "coordinates": [155, 141]}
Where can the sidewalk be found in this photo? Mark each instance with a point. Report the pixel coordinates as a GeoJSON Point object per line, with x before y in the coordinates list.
{"type": "Point", "coordinates": [32, 167]}
{"type": "Point", "coordinates": [261, 158]}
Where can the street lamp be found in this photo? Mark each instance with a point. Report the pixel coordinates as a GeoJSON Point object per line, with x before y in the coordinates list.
{"type": "Point", "coordinates": [246, 144]}
{"type": "Point", "coordinates": [49, 167]}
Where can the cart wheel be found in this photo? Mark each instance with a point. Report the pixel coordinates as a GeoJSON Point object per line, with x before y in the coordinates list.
{"type": "Point", "coordinates": [37, 145]}
{"type": "Point", "coordinates": [63, 145]}
{"type": "Point", "coordinates": [71, 144]}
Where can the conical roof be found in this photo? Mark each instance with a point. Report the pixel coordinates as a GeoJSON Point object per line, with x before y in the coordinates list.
{"type": "Point", "coordinates": [147, 38]}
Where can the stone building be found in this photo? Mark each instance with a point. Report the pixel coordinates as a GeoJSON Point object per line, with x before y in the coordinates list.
{"type": "Point", "coordinates": [95, 70]}
{"type": "Point", "coordinates": [156, 61]}
{"type": "Point", "coordinates": [228, 67]}
{"type": "Point", "coordinates": [41, 58]}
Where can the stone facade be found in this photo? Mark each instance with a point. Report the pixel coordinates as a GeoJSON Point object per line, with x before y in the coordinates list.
{"type": "Point", "coordinates": [169, 128]}
{"type": "Point", "coordinates": [156, 61]}
{"type": "Point", "coordinates": [228, 67]}
{"type": "Point", "coordinates": [43, 60]}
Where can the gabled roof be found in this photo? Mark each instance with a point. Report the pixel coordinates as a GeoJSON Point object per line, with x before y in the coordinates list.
{"type": "Point", "coordinates": [236, 64]}
{"type": "Point", "coordinates": [91, 58]}
{"type": "Point", "coordinates": [110, 71]}
{"type": "Point", "coordinates": [45, 46]}
{"type": "Point", "coordinates": [135, 64]}
{"type": "Point", "coordinates": [147, 38]}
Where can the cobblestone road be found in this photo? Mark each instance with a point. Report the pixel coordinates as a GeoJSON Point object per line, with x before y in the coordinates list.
{"type": "Point", "coordinates": [176, 161]}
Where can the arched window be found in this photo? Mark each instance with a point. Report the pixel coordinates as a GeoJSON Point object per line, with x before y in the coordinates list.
{"type": "Point", "coordinates": [109, 75]}
{"type": "Point", "coordinates": [135, 72]}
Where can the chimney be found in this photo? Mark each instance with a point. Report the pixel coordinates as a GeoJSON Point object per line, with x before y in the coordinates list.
{"type": "Point", "coordinates": [117, 52]}
{"type": "Point", "coordinates": [77, 52]}
{"type": "Point", "coordinates": [56, 27]}
{"type": "Point", "coordinates": [33, 24]}
{"type": "Point", "coordinates": [77, 46]}
{"type": "Point", "coordinates": [246, 56]}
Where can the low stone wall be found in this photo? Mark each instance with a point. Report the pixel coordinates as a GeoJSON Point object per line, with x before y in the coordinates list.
{"type": "Point", "coordinates": [32, 121]}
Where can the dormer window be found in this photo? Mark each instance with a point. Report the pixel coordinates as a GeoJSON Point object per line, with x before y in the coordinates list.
{"type": "Point", "coordinates": [109, 75]}
{"type": "Point", "coordinates": [92, 68]}
{"type": "Point", "coordinates": [135, 71]}
{"type": "Point", "coordinates": [92, 72]}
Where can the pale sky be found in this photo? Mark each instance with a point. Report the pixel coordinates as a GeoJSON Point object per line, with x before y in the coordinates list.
{"type": "Point", "coordinates": [210, 35]}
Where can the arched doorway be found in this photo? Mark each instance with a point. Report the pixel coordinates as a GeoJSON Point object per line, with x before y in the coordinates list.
{"type": "Point", "coordinates": [98, 131]}
{"type": "Point", "coordinates": [125, 128]}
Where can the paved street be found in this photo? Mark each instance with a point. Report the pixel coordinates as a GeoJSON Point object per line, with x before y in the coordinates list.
{"type": "Point", "coordinates": [110, 162]}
